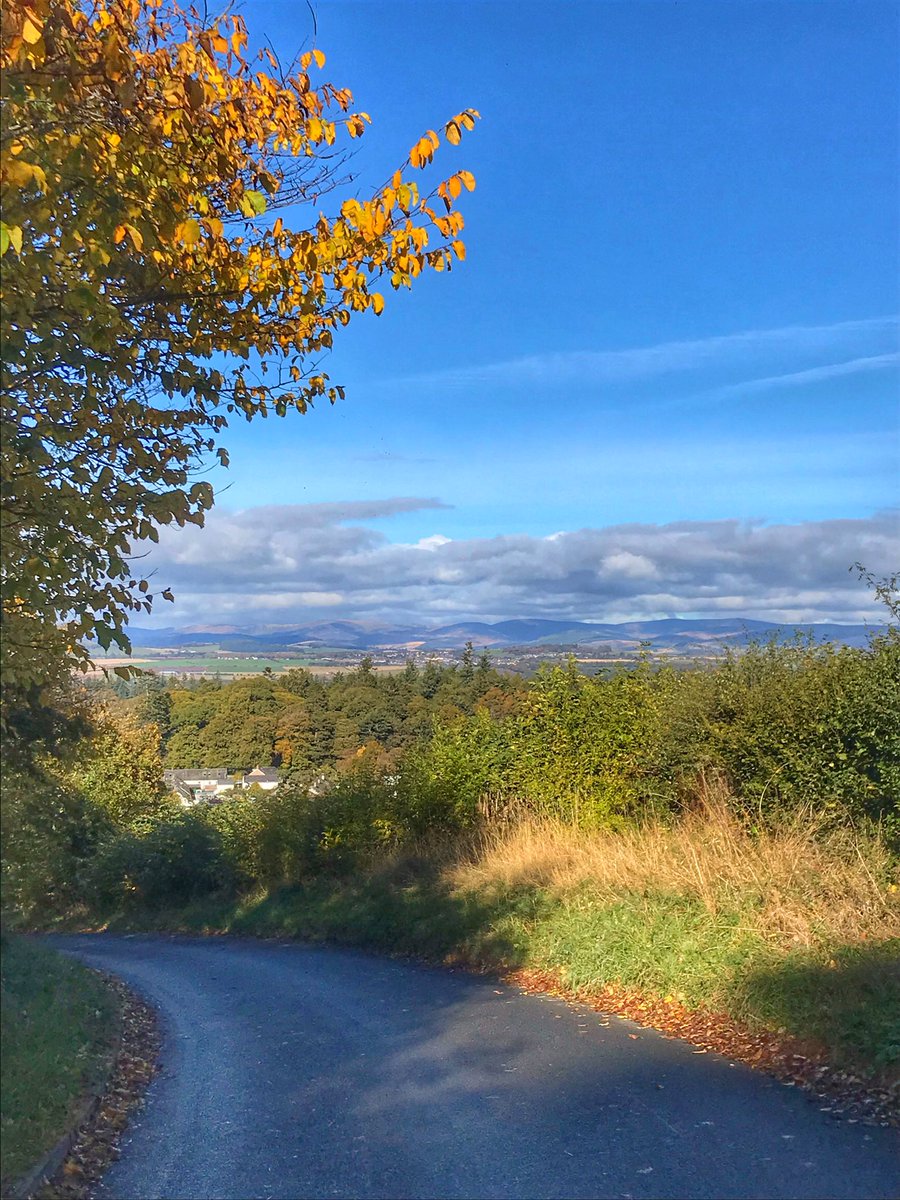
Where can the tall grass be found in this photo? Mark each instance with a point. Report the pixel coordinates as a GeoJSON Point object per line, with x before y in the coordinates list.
{"type": "Point", "coordinates": [798, 883]}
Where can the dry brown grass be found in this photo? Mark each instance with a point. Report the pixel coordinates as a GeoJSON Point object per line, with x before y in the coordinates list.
{"type": "Point", "coordinates": [799, 885]}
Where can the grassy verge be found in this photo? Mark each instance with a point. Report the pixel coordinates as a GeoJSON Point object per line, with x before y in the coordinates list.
{"type": "Point", "coordinates": [791, 931]}
{"type": "Point", "coordinates": [58, 1028]}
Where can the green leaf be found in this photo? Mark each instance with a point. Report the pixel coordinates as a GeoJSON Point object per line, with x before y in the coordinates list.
{"type": "Point", "coordinates": [255, 201]}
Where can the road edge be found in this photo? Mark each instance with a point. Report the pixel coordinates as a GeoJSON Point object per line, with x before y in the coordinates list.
{"type": "Point", "coordinates": [79, 1156]}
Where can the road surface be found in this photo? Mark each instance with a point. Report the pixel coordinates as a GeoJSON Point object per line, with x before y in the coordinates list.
{"type": "Point", "coordinates": [295, 1071]}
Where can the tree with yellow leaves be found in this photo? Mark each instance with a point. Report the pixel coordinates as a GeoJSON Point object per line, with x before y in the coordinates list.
{"type": "Point", "coordinates": [150, 291]}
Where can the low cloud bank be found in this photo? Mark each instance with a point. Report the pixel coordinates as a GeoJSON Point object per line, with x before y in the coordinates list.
{"type": "Point", "coordinates": [308, 561]}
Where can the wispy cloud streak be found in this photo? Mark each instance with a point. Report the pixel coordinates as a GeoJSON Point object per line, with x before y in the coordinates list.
{"type": "Point", "coordinates": [855, 366]}
{"type": "Point", "coordinates": [730, 352]}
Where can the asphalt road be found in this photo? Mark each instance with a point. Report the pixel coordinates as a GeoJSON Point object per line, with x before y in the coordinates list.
{"type": "Point", "coordinates": [297, 1071]}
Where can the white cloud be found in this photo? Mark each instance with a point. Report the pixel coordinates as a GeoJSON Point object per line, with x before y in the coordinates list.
{"type": "Point", "coordinates": [305, 561]}
{"type": "Point", "coordinates": [630, 566]}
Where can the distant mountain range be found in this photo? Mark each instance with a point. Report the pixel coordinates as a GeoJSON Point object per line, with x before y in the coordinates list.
{"type": "Point", "coordinates": [673, 634]}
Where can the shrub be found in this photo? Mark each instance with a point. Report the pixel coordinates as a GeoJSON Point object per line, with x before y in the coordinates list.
{"type": "Point", "coordinates": [793, 725]}
{"type": "Point", "coordinates": [238, 822]}
{"type": "Point", "coordinates": [49, 833]}
{"type": "Point", "coordinates": [177, 861]}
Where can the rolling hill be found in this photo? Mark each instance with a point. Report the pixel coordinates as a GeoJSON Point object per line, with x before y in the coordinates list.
{"type": "Point", "coordinates": [672, 634]}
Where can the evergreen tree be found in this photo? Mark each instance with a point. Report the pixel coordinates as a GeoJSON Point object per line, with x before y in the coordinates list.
{"type": "Point", "coordinates": [155, 707]}
{"type": "Point", "coordinates": [431, 679]}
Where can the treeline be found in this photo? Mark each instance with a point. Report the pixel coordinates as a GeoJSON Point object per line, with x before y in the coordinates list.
{"type": "Point", "coordinates": [307, 725]}
{"type": "Point", "coordinates": [437, 752]}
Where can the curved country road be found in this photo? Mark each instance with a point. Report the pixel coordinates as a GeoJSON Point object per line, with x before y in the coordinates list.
{"type": "Point", "coordinates": [296, 1071]}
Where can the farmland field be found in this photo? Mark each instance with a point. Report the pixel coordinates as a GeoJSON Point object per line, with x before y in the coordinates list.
{"type": "Point", "coordinates": [202, 664]}
{"type": "Point", "coordinates": [213, 663]}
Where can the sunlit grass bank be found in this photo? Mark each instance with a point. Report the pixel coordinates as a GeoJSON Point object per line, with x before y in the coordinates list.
{"type": "Point", "coordinates": [59, 1024]}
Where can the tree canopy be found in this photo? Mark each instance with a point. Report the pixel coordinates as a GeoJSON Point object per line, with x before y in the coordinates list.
{"type": "Point", "coordinates": [150, 291]}
{"type": "Point", "coordinates": [302, 723]}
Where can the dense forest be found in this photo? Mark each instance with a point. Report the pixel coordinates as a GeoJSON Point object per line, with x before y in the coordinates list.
{"type": "Point", "coordinates": [303, 724]}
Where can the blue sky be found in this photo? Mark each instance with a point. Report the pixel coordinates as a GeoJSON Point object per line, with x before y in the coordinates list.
{"type": "Point", "coordinates": [679, 305]}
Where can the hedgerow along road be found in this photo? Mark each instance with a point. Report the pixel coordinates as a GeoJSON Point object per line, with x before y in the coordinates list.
{"type": "Point", "coordinates": [290, 1071]}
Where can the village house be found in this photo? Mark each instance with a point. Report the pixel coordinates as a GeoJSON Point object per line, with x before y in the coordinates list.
{"type": "Point", "coordinates": [266, 778]}
{"type": "Point", "coordinates": [211, 785]}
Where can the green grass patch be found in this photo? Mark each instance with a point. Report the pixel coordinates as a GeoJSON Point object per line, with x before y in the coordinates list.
{"type": "Point", "coordinates": [59, 1024]}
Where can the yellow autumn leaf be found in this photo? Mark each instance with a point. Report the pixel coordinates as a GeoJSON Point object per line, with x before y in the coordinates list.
{"type": "Point", "coordinates": [10, 235]}
{"type": "Point", "coordinates": [19, 173]}
{"type": "Point", "coordinates": [377, 303]}
{"type": "Point", "coordinates": [189, 232]}
{"type": "Point", "coordinates": [32, 31]}
{"type": "Point", "coordinates": [320, 58]}
{"type": "Point", "coordinates": [460, 250]}
{"type": "Point", "coordinates": [451, 131]}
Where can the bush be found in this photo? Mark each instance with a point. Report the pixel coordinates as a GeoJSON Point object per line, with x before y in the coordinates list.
{"type": "Point", "coordinates": [785, 726]}
{"type": "Point", "coordinates": [239, 822]}
{"type": "Point", "coordinates": [445, 785]}
{"type": "Point", "coordinates": [49, 834]}
{"type": "Point", "coordinates": [304, 834]}
{"type": "Point", "coordinates": [792, 725]}
{"type": "Point", "coordinates": [177, 861]}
